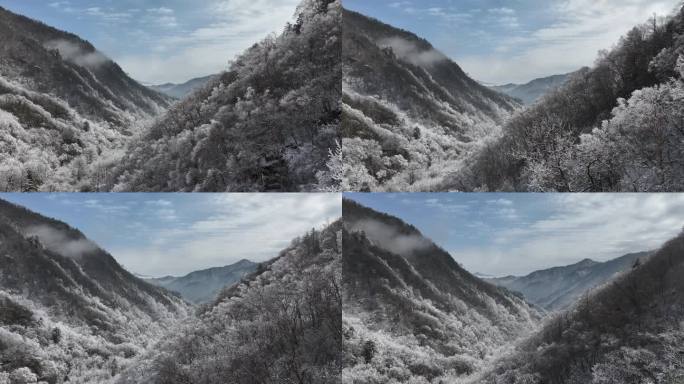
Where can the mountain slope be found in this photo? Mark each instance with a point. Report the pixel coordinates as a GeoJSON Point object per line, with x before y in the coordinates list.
{"type": "Point", "coordinates": [74, 312]}
{"type": "Point", "coordinates": [281, 324]}
{"type": "Point", "coordinates": [409, 111]}
{"type": "Point", "coordinates": [411, 312]}
{"type": "Point", "coordinates": [202, 286]}
{"type": "Point", "coordinates": [62, 105]}
{"type": "Point", "coordinates": [268, 124]}
{"type": "Point", "coordinates": [613, 127]}
{"type": "Point", "coordinates": [532, 91]}
{"type": "Point", "coordinates": [558, 288]}
{"type": "Point", "coordinates": [180, 91]}
{"type": "Point", "coordinates": [629, 331]}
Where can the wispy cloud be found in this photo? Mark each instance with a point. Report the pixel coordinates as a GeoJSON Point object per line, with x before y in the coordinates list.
{"type": "Point", "coordinates": [252, 226]}
{"type": "Point", "coordinates": [517, 41]}
{"type": "Point", "coordinates": [581, 226]}
{"type": "Point", "coordinates": [158, 42]}
{"type": "Point", "coordinates": [583, 27]}
{"type": "Point", "coordinates": [162, 234]}
{"type": "Point", "coordinates": [229, 27]}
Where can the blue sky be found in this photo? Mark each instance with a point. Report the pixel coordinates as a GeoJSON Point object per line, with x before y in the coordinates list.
{"type": "Point", "coordinates": [159, 41]}
{"type": "Point", "coordinates": [173, 234]}
{"type": "Point", "coordinates": [501, 41]}
{"type": "Point", "coordinates": [502, 234]}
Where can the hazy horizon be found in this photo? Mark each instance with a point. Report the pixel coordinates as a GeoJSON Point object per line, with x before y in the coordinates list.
{"type": "Point", "coordinates": [157, 235]}
{"type": "Point", "coordinates": [500, 234]}
{"type": "Point", "coordinates": [162, 41]}
{"type": "Point", "coordinates": [499, 42]}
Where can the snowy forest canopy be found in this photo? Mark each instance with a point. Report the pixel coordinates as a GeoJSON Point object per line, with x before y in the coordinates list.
{"type": "Point", "coordinates": [72, 120]}
{"type": "Point", "coordinates": [616, 126]}
{"type": "Point", "coordinates": [374, 108]}
{"type": "Point", "coordinates": [69, 313]}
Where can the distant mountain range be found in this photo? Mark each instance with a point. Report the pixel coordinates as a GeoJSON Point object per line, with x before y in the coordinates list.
{"type": "Point", "coordinates": [280, 324]}
{"type": "Point", "coordinates": [530, 92]}
{"type": "Point", "coordinates": [595, 132]}
{"type": "Point", "coordinates": [180, 91]}
{"type": "Point", "coordinates": [203, 286]}
{"type": "Point", "coordinates": [628, 331]}
{"type": "Point", "coordinates": [560, 287]}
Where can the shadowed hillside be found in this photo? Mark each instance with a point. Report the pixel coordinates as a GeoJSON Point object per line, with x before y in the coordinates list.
{"type": "Point", "coordinates": [65, 108]}
{"type": "Point", "coordinates": [629, 331]}
{"type": "Point", "coordinates": [68, 311]}
{"type": "Point", "coordinates": [411, 313]}
{"type": "Point", "coordinates": [409, 111]}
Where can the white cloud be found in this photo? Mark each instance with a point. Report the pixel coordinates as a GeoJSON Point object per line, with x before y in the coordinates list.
{"type": "Point", "coordinates": [163, 17]}
{"type": "Point", "coordinates": [252, 226]}
{"type": "Point", "coordinates": [580, 29]}
{"type": "Point", "coordinates": [234, 25]}
{"type": "Point", "coordinates": [169, 44]}
{"type": "Point", "coordinates": [600, 227]}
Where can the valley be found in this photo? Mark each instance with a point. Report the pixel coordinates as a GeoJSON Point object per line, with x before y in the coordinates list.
{"type": "Point", "coordinates": [71, 119]}
{"type": "Point", "coordinates": [70, 313]}
{"type": "Point", "coordinates": [414, 121]}
{"type": "Point", "coordinates": [412, 314]}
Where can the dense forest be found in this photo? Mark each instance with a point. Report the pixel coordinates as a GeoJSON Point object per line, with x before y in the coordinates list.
{"type": "Point", "coordinates": [281, 324]}
{"type": "Point", "coordinates": [72, 120]}
{"type": "Point", "coordinates": [270, 123]}
{"type": "Point", "coordinates": [629, 331]}
{"type": "Point", "coordinates": [68, 311]}
{"type": "Point", "coordinates": [411, 314]}
{"type": "Point", "coordinates": [410, 114]}
{"type": "Point", "coordinates": [65, 109]}
{"type": "Point", "coordinates": [617, 126]}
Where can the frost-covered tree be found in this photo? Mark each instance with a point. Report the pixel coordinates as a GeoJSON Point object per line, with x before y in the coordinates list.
{"type": "Point", "coordinates": [621, 125]}
{"type": "Point", "coordinates": [282, 324]}
{"type": "Point", "coordinates": [267, 124]}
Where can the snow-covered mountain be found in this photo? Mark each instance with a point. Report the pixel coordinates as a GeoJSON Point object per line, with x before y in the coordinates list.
{"type": "Point", "coordinates": [270, 123]}
{"type": "Point", "coordinates": [280, 324]}
{"type": "Point", "coordinates": [411, 313]}
{"type": "Point", "coordinates": [532, 91]}
{"type": "Point", "coordinates": [560, 287]}
{"type": "Point", "coordinates": [68, 311]}
{"type": "Point", "coordinates": [410, 113]}
{"type": "Point", "coordinates": [628, 331]}
{"type": "Point", "coordinates": [614, 127]}
{"type": "Point", "coordinates": [202, 286]}
{"type": "Point", "coordinates": [64, 108]}
{"type": "Point", "coordinates": [179, 91]}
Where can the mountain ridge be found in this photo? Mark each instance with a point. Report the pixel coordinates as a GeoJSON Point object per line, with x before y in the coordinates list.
{"type": "Point", "coordinates": [264, 125]}
{"type": "Point", "coordinates": [409, 111]}
{"type": "Point", "coordinates": [65, 108]}
{"type": "Point", "coordinates": [627, 331]}
{"type": "Point", "coordinates": [560, 287]}
{"type": "Point", "coordinates": [533, 90]}
{"type": "Point", "coordinates": [182, 90]}
{"type": "Point", "coordinates": [68, 309]}
{"type": "Point", "coordinates": [203, 285]}
{"type": "Point", "coordinates": [280, 323]}
{"type": "Point", "coordinates": [411, 311]}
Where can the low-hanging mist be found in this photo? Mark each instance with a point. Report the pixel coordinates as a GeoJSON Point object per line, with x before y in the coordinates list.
{"type": "Point", "coordinates": [59, 242]}
{"type": "Point", "coordinates": [390, 238]}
